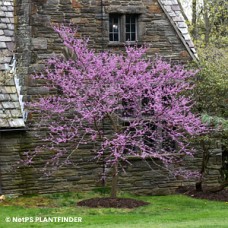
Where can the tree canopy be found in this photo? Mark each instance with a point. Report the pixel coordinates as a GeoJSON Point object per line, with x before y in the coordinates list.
{"type": "Point", "coordinates": [142, 101]}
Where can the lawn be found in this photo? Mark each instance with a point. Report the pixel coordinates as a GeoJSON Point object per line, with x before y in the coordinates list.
{"type": "Point", "coordinates": [163, 211]}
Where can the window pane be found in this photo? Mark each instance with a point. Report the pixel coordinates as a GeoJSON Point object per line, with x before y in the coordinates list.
{"type": "Point", "coordinates": [116, 37]}
{"type": "Point", "coordinates": [113, 27]}
{"type": "Point", "coordinates": [130, 27]}
{"type": "Point", "coordinates": [116, 19]}
{"type": "Point", "coordinates": [148, 137]}
{"type": "Point", "coordinates": [128, 37]}
{"type": "Point", "coordinates": [133, 18]}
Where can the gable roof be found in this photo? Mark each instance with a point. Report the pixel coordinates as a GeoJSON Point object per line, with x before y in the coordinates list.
{"type": "Point", "coordinates": [173, 11]}
{"type": "Point", "coordinates": [11, 114]}
{"type": "Point", "coordinates": [6, 32]}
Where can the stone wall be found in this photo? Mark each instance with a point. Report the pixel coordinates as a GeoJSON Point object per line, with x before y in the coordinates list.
{"type": "Point", "coordinates": [91, 18]}
{"type": "Point", "coordinates": [11, 180]}
{"type": "Point", "coordinates": [35, 42]}
{"type": "Point", "coordinates": [85, 174]}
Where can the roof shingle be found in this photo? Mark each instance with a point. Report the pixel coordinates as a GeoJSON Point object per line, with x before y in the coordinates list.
{"type": "Point", "coordinates": [6, 32]}
{"type": "Point", "coordinates": [11, 113]}
{"type": "Point", "coordinates": [173, 10]}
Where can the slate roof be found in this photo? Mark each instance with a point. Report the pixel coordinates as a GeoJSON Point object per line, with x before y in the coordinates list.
{"type": "Point", "coordinates": [11, 114]}
{"type": "Point", "coordinates": [6, 32]}
{"type": "Point", "coordinates": [173, 12]}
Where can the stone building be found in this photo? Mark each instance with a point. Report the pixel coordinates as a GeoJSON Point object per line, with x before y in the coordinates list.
{"type": "Point", "coordinates": [27, 40]}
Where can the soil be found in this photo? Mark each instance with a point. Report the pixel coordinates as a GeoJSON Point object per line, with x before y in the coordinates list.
{"type": "Point", "coordinates": [112, 202]}
{"type": "Point", "coordinates": [108, 202]}
{"type": "Point", "coordinates": [221, 195]}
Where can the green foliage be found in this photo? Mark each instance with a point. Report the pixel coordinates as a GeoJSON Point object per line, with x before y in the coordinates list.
{"type": "Point", "coordinates": [211, 96]}
{"type": "Point", "coordinates": [211, 24]}
{"type": "Point", "coordinates": [220, 126]}
{"type": "Point", "coordinates": [218, 122]}
{"type": "Point", "coordinates": [211, 89]}
{"type": "Point", "coordinates": [218, 16]}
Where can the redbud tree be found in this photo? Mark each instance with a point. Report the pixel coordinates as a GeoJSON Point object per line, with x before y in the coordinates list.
{"type": "Point", "coordinates": [142, 100]}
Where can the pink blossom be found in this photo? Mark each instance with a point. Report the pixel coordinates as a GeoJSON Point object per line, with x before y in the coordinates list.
{"type": "Point", "coordinates": [142, 100]}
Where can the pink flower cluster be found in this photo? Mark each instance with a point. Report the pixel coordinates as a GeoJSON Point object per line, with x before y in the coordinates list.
{"type": "Point", "coordinates": [141, 100]}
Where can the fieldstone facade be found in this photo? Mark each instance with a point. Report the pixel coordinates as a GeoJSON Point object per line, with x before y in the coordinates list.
{"type": "Point", "coordinates": [159, 24]}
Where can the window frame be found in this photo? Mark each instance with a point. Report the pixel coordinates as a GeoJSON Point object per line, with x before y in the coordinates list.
{"type": "Point", "coordinates": [135, 16]}
{"type": "Point", "coordinates": [167, 142]}
{"type": "Point", "coordinates": [111, 20]}
{"type": "Point", "coordinates": [122, 28]}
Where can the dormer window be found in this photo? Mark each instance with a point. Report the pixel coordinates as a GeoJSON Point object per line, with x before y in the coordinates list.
{"type": "Point", "coordinates": [123, 28]}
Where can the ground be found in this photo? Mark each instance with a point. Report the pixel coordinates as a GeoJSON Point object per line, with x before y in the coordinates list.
{"type": "Point", "coordinates": [104, 202]}
{"type": "Point", "coordinates": [169, 211]}
{"type": "Point", "coordinates": [217, 196]}
{"type": "Point", "coordinates": [132, 203]}
{"type": "Point", "coordinates": [112, 202]}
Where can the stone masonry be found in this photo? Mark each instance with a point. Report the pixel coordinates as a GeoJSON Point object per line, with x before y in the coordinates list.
{"type": "Point", "coordinates": [160, 26]}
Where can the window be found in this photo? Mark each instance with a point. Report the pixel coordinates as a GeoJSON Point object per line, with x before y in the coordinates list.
{"type": "Point", "coordinates": [123, 27]}
{"type": "Point", "coordinates": [130, 27]}
{"type": "Point", "coordinates": [114, 25]}
{"type": "Point", "coordinates": [153, 129]}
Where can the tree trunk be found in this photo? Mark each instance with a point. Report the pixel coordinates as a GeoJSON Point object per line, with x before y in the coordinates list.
{"type": "Point", "coordinates": [194, 20]}
{"type": "Point", "coordinates": [114, 180]}
{"type": "Point", "coordinates": [206, 22]}
{"type": "Point", "coordinates": [204, 164]}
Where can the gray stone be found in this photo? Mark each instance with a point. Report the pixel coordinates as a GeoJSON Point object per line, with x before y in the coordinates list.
{"type": "Point", "coordinates": [2, 14]}
{"type": "Point", "coordinates": [39, 43]}
{"type": "Point", "coordinates": [5, 38]}
{"type": "Point", "coordinates": [3, 26]}
{"type": "Point", "coordinates": [2, 45]}
{"type": "Point", "coordinates": [8, 32]}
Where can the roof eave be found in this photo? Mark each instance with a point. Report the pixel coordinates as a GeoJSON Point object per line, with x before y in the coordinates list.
{"type": "Point", "coordinates": [193, 56]}
{"type": "Point", "coordinates": [13, 129]}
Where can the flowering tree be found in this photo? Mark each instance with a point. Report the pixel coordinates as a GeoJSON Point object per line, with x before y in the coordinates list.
{"type": "Point", "coordinates": [142, 101]}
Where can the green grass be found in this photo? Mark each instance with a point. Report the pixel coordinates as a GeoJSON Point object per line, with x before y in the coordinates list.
{"type": "Point", "coordinates": [162, 212]}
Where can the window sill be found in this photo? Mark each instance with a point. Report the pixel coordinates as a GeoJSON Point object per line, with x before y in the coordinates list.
{"type": "Point", "coordinates": [123, 44]}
